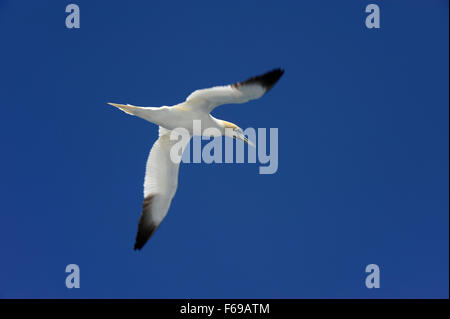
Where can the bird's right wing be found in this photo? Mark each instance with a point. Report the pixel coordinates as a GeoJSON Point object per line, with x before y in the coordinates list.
{"type": "Point", "coordinates": [160, 185]}
{"type": "Point", "coordinates": [241, 92]}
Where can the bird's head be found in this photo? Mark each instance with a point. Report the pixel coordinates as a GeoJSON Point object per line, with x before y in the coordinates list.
{"type": "Point", "coordinates": [234, 131]}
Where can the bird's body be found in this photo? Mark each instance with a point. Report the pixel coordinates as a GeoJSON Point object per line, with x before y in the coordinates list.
{"type": "Point", "coordinates": [161, 176]}
{"type": "Point", "coordinates": [172, 117]}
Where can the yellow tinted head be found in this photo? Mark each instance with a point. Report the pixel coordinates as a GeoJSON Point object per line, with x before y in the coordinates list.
{"type": "Point", "coordinates": [227, 124]}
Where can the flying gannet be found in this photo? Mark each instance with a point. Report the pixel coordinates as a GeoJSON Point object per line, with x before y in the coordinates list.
{"type": "Point", "coordinates": [161, 175]}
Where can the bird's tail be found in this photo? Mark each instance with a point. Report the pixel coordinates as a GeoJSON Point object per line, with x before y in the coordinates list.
{"type": "Point", "coordinates": [151, 114]}
{"type": "Point", "coordinates": [129, 109]}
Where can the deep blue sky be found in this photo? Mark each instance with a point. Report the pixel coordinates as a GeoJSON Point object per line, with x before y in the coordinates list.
{"type": "Point", "coordinates": [363, 150]}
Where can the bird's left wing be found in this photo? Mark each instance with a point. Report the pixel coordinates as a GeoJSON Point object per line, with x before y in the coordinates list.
{"type": "Point", "coordinates": [160, 185]}
{"type": "Point", "coordinates": [241, 92]}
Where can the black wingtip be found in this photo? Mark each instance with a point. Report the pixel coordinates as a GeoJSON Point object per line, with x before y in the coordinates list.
{"type": "Point", "coordinates": [266, 80]}
{"type": "Point", "coordinates": [270, 78]}
{"type": "Point", "coordinates": [139, 244]}
{"type": "Point", "coordinates": [146, 226]}
{"type": "Point", "coordinates": [143, 235]}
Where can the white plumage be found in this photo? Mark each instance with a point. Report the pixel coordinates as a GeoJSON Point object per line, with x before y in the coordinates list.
{"type": "Point", "coordinates": [161, 176]}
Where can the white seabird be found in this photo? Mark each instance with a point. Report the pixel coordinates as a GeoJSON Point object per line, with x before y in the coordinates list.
{"type": "Point", "coordinates": [161, 175]}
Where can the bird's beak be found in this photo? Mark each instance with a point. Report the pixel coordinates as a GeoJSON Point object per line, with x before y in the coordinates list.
{"type": "Point", "coordinates": [243, 138]}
